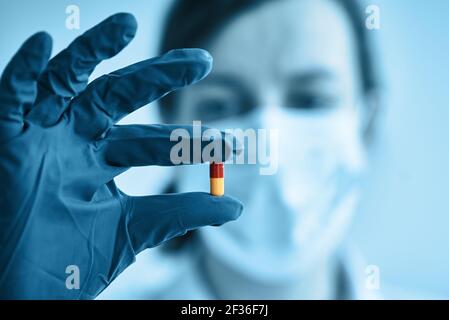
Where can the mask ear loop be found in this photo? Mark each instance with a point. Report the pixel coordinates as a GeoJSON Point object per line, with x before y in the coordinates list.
{"type": "Point", "coordinates": [356, 141]}
{"type": "Point", "coordinates": [370, 107]}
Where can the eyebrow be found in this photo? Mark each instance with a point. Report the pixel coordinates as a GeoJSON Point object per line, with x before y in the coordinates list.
{"type": "Point", "coordinates": [310, 76]}
{"type": "Point", "coordinates": [233, 83]}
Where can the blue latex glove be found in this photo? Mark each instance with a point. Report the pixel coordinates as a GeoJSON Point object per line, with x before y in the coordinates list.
{"type": "Point", "coordinates": [60, 151]}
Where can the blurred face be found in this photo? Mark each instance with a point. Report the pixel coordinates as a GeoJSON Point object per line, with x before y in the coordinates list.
{"type": "Point", "coordinates": [290, 65]}
{"type": "Point", "coordinates": [298, 54]}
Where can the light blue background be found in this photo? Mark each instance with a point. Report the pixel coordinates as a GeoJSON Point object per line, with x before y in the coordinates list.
{"type": "Point", "coordinates": [403, 224]}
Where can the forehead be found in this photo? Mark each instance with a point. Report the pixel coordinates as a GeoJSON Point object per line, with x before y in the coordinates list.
{"type": "Point", "coordinates": [285, 36]}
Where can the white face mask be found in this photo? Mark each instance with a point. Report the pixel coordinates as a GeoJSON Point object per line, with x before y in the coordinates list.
{"type": "Point", "coordinates": [296, 217]}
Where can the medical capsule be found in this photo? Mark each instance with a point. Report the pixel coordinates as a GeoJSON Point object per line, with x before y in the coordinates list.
{"type": "Point", "coordinates": [216, 175]}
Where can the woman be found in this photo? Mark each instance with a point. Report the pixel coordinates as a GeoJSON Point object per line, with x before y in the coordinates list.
{"type": "Point", "coordinates": [303, 67]}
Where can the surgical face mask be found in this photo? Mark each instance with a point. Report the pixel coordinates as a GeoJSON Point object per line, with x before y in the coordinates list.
{"type": "Point", "coordinates": [297, 216]}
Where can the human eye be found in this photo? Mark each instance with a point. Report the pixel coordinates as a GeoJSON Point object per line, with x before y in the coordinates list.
{"type": "Point", "coordinates": [214, 108]}
{"type": "Point", "coordinates": [310, 101]}
{"type": "Point", "coordinates": [216, 103]}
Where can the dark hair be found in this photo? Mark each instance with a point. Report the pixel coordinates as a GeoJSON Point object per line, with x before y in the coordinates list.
{"type": "Point", "coordinates": [194, 23]}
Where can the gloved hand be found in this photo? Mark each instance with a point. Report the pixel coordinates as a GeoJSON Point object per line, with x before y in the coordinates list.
{"type": "Point", "coordinates": [60, 150]}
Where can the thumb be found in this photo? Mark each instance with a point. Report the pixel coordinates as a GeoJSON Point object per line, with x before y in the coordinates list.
{"type": "Point", "coordinates": [155, 219]}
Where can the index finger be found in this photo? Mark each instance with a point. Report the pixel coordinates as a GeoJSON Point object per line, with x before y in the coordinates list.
{"type": "Point", "coordinates": [111, 97]}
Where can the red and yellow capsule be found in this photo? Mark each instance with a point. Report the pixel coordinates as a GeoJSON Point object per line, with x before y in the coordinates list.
{"type": "Point", "coordinates": [216, 175]}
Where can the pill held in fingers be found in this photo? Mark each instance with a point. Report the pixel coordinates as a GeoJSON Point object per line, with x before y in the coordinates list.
{"type": "Point", "coordinates": [216, 175]}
